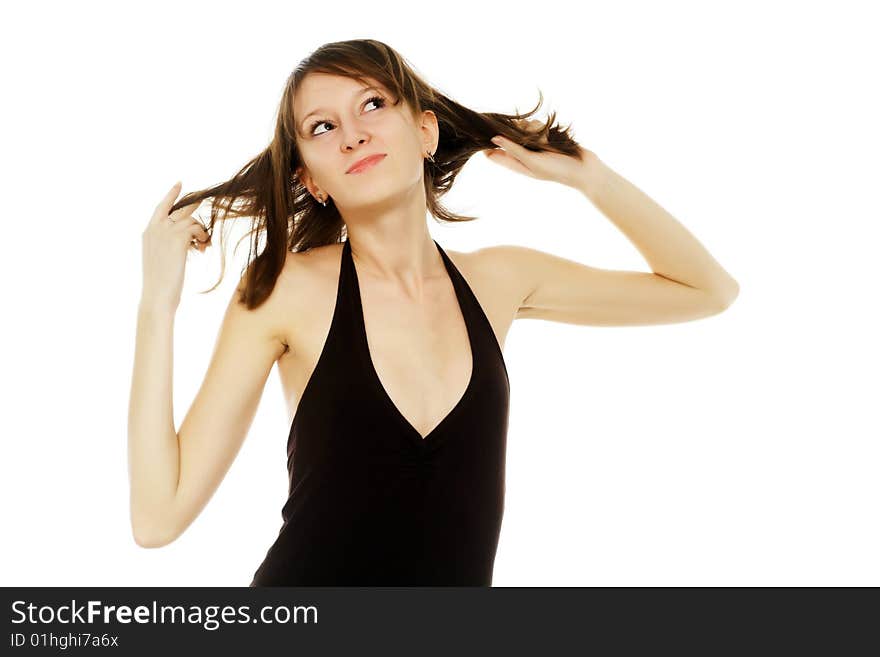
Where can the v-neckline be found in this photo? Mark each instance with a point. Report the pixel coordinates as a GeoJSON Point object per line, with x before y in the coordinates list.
{"type": "Point", "coordinates": [408, 426]}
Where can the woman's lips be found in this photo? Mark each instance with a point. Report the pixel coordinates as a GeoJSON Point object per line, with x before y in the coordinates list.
{"type": "Point", "coordinates": [367, 163]}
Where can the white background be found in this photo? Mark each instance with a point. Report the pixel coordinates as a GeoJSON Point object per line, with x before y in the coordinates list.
{"type": "Point", "coordinates": [740, 449]}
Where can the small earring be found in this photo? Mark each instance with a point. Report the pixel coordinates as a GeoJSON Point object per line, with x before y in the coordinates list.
{"type": "Point", "coordinates": [323, 201]}
{"type": "Point", "coordinates": [430, 156]}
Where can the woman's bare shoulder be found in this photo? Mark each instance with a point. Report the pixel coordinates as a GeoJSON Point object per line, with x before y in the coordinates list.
{"type": "Point", "coordinates": [312, 262]}
{"type": "Point", "coordinates": [480, 265]}
{"type": "Point", "coordinates": [308, 280]}
{"type": "Point", "coordinates": [490, 278]}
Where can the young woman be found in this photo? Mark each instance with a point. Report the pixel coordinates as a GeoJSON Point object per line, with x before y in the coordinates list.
{"type": "Point", "coordinates": [388, 347]}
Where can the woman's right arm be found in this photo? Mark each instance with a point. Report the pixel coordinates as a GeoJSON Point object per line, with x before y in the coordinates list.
{"type": "Point", "coordinates": [173, 473]}
{"type": "Point", "coordinates": [153, 458]}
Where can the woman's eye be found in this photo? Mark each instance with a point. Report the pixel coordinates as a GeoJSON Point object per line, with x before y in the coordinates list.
{"type": "Point", "coordinates": [379, 100]}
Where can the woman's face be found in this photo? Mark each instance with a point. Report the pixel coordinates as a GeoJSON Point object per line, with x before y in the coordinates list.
{"type": "Point", "coordinates": [339, 120]}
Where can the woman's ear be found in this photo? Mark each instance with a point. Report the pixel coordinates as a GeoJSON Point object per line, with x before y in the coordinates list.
{"type": "Point", "coordinates": [430, 130]}
{"type": "Point", "coordinates": [303, 176]}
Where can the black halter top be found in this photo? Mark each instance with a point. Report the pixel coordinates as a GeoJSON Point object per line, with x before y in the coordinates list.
{"type": "Point", "coordinates": [373, 503]}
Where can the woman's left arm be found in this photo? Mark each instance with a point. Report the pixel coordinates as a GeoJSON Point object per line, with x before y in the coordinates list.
{"type": "Point", "coordinates": [555, 288]}
{"type": "Point", "coordinates": [670, 249]}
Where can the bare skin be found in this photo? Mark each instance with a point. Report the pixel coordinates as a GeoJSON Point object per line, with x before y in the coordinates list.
{"type": "Point", "coordinates": [420, 349]}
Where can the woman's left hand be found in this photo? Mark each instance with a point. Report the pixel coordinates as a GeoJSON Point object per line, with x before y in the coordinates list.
{"type": "Point", "coordinates": [542, 165]}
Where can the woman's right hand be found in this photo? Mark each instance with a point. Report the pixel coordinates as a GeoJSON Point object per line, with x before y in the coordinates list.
{"type": "Point", "coordinates": [166, 241]}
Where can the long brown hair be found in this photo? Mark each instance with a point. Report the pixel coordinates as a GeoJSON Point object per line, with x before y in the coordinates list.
{"type": "Point", "coordinates": [268, 190]}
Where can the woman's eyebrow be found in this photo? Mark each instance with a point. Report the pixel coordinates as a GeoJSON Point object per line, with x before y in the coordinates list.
{"type": "Point", "coordinates": [355, 95]}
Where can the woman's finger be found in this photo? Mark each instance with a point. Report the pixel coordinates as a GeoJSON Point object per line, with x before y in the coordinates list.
{"type": "Point", "coordinates": [198, 237]}
{"type": "Point", "coordinates": [507, 144]}
{"type": "Point", "coordinates": [186, 224]}
{"type": "Point", "coordinates": [196, 231]}
{"type": "Point", "coordinates": [165, 204]}
{"type": "Point", "coordinates": [505, 159]}
{"type": "Point", "coordinates": [185, 211]}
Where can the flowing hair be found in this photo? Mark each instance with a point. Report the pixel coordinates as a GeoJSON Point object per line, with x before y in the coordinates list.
{"type": "Point", "coordinates": [268, 190]}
